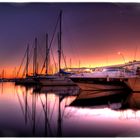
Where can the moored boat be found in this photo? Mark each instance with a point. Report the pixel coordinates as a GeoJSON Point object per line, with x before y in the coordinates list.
{"type": "Point", "coordinates": [108, 78]}
{"type": "Point", "coordinates": [26, 81]}
{"type": "Point", "coordinates": [56, 81]}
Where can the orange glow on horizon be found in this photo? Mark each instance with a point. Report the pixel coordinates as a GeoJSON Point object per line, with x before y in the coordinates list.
{"type": "Point", "coordinates": [98, 60]}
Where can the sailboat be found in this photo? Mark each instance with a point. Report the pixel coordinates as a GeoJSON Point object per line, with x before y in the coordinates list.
{"type": "Point", "coordinates": [29, 80]}
{"type": "Point", "coordinates": [57, 79]}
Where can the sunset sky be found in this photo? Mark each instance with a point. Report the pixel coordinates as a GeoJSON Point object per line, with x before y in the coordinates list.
{"type": "Point", "coordinates": [92, 33]}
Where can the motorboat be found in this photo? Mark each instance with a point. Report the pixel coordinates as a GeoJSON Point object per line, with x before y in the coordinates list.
{"type": "Point", "coordinates": [108, 78]}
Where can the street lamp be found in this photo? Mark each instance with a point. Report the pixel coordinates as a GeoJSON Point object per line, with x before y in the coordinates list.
{"type": "Point", "coordinates": [119, 53]}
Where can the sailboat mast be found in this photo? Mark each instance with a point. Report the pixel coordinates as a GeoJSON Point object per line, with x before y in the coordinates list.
{"type": "Point", "coordinates": [27, 62]}
{"type": "Point", "coordinates": [59, 63]}
{"type": "Point", "coordinates": [60, 42]}
{"type": "Point", "coordinates": [47, 54]}
{"type": "Point", "coordinates": [35, 56]}
{"type": "Point", "coordinates": [35, 59]}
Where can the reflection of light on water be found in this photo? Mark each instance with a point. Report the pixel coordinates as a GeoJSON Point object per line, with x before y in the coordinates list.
{"type": "Point", "coordinates": [103, 121]}
{"type": "Point", "coordinates": [21, 90]}
{"type": "Point", "coordinates": [68, 100]}
{"type": "Point", "coordinates": [51, 97]}
{"type": "Point", "coordinates": [105, 113]}
{"type": "Point", "coordinates": [78, 121]}
{"type": "Point", "coordinates": [129, 114]}
{"type": "Point", "coordinates": [30, 90]}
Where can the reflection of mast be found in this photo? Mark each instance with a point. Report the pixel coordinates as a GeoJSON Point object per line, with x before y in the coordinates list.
{"type": "Point", "coordinates": [47, 124]}
{"type": "Point", "coordinates": [26, 110]}
{"type": "Point", "coordinates": [59, 126]}
{"type": "Point", "coordinates": [2, 87]}
{"type": "Point", "coordinates": [26, 105]}
{"type": "Point", "coordinates": [46, 119]}
{"type": "Point", "coordinates": [34, 112]}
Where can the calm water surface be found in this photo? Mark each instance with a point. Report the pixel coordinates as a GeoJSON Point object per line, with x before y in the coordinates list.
{"type": "Point", "coordinates": [31, 114]}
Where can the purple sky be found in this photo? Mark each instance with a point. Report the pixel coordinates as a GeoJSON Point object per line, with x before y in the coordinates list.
{"type": "Point", "coordinates": [91, 32]}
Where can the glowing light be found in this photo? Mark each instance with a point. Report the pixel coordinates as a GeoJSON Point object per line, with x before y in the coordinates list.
{"type": "Point", "coordinates": [119, 53]}
{"type": "Point", "coordinates": [51, 97]}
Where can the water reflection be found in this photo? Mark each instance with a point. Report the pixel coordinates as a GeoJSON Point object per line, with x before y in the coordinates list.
{"type": "Point", "coordinates": [133, 101]}
{"type": "Point", "coordinates": [59, 90]}
{"type": "Point", "coordinates": [27, 112]}
{"type": "Point", "coordinates": [49, 102]}
{"type": "Point", "coordinates": [112, 99]}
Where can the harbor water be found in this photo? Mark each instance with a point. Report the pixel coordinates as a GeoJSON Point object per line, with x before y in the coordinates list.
{"type": "Point", "coordinates": [26, 112]}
